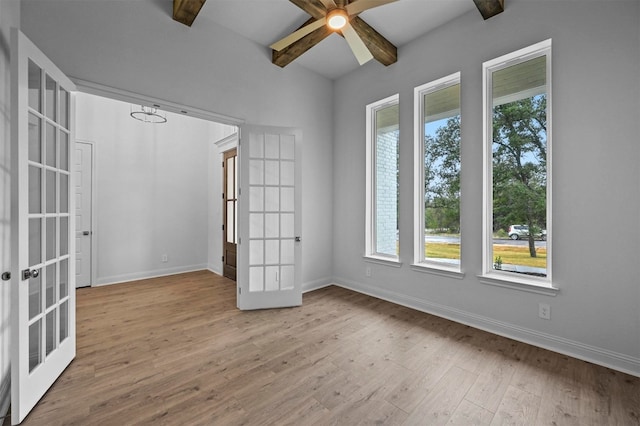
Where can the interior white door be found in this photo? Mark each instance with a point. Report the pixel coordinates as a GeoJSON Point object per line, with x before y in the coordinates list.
{"type": "Point", "coordinates": [84, 227]}
{"type": "Point", "coordinates": [269, 218]}
{"type": "Point", "coordinates": [43, 293]}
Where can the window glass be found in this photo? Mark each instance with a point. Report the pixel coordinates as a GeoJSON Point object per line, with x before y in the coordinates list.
{"type": "Point", "coordinates": [382, 176]}
{"type": "Point", "coordinates": [518, 200]}
{"type": "Point", "coordinates": [438, 172]}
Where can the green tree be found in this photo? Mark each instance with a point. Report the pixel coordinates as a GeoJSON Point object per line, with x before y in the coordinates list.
{"type": "Point", "coordinates": [442, 177]}
{"type": "Point", "coordinates": [520, 165]}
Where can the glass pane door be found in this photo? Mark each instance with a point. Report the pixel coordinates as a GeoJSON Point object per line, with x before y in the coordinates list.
{"type": "Point", "coordinates": [43, 328]}
{"type": "Point", "coordinates": [270, 248]}
{"type": "Point", "coordinates": [48, 217]}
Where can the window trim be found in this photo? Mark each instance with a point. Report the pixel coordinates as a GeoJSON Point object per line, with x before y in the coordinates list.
{"type": "Point", "coordinates": [420, 263]}
{"type": "Point", "coordinates": [489, 275]}
{"type": "Point", "coordinates": [370, 185]}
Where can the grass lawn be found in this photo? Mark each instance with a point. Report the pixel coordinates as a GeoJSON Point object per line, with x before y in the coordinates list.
{"type": "Point", "coordinates": [514, 255]}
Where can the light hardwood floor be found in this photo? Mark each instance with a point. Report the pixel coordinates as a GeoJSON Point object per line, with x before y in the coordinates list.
{"type": "Point", "coordinates": [176, 351]}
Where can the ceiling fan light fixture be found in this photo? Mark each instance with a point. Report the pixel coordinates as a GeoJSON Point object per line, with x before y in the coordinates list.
{"type": "Point", "coordinates": [337, 19]}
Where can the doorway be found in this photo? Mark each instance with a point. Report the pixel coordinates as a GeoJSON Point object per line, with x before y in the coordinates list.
{"type": "Point", "coordinates": [230, 215]}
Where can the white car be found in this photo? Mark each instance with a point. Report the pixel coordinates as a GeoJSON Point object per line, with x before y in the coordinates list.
{"type": "Point", "coordinates": [518, 231]}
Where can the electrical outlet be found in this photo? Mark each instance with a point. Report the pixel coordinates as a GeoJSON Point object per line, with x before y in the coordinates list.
{"type": "Point", "coordinates": [544, 311]}
{"type": "Point", "coordinates": [165, 258]}
{"type": "Point", "coordinates": [367, 271]}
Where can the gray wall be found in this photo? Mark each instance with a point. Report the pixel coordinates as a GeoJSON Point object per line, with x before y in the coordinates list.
{"type": "Point", "coordinates": [135, 46]}
{"type": "Point", "coordinates": [9, 17]}
{"type": "Point", "coordinates": [596, 176]}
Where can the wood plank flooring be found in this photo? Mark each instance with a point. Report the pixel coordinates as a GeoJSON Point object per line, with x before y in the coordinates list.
{"type": "Point", "coordinates": [176, 351]}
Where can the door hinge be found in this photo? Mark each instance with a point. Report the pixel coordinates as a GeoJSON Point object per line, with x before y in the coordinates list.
{"type": "Point", "coordinates": [223, 258]}
{"type": "Point", "coordinates": [223, 227]}
{"type": "Point", "coordinates": [223, 195]}
{"type": "Point", "coordinates": [239, 290]}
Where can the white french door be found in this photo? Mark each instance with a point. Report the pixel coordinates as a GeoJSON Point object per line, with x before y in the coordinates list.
{"type": "Point", "coordinates": [269, 273]}
{"type": "Point", "coordinates": [43, 291]}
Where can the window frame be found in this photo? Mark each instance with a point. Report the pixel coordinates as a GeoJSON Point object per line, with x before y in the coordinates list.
{"type": "Point", "coordinates": [371, 252]}
{"type": "Point", "coordinates": [489, 274]}
{"type": "Point", "coordinates": [420, 262]}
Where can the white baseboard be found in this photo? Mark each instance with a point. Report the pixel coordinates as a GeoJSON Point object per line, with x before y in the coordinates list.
{"type": "Point", "coordinates": [614, 360]}
{"type": "Point", "coordinates": [215, 269]}
{"type": "Point", "coordinates": [116, 279]}
{"type": "Point", "coordinates": [316, 284]}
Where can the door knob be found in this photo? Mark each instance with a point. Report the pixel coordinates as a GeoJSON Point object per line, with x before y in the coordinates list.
{"type": "Point", "coordinates": [6, 276]}
{"type": "Point", "coordinates": [30, 273]}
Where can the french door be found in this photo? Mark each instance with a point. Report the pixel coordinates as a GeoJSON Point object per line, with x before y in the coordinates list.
{"type": "Point", "coordinates": [43, 289]}
{"type": "Point", "coordinates": [269, 217]}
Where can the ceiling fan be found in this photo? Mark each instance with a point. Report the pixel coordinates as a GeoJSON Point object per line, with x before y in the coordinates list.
{"type": "Point", "coordinates": [365, 42]}
{"type": "Point", "coordinates": [341, 16]}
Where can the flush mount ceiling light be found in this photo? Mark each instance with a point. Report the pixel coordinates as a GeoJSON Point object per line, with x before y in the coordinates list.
{"type": "Point", "coordinates": [148, 114]}
{"type": "Point", "coordinates": [337, 19]}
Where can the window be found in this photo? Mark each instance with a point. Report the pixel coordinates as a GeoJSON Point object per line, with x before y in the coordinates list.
{"type": "Point", "coordinates": [382, 179]}
{"type": "Point", "coordinates": [517, 163]}
{"type": "Point", "coordinates": [437, 173]}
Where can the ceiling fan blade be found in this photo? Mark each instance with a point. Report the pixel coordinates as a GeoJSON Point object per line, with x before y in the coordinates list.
{"type": "Point", "coordinates": [362, 5]}
{"type": "Point", "coordinates": [329, 4]}
{"type": "Point", "coordinates": [356, 44]}
{"type": "Point", "coordinates": [297, 35]}
{"type": "Point", "coordinates": [293, 51]}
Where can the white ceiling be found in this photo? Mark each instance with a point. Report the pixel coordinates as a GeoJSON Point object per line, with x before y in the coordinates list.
{"type": "Point", "coordinates": [267, 21]}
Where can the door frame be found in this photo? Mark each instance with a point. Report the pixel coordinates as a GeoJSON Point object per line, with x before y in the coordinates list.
{"type": "Point", "coordinates": [128, 96]}
{"type": "Point", "coordinates": [94, 210]}
{"type": "Point", "coordinates": [223, 145]}
{"type": "Point", "coordinates": [231, 154]}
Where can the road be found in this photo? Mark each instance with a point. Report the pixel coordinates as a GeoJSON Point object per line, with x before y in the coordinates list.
{"type": "Point", "coordinates": [506, 241]}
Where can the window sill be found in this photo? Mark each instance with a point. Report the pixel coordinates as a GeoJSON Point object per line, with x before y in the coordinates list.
{"type": "Point", "coordinates": [517, 283]}
{"type": "Point", "coordinates": [436, 269]}
{"type": "Point", "coordinates": [380, 260]}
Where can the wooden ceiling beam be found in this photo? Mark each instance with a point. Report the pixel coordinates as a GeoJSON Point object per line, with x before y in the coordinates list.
{"type": "Point", "coordinates": [489, 8]}
{"type": "Point", "coordinates": [381, 48]}
{"type": "Point", "coordinates": [294, 50]}
{"type": "Point", "coordinates": [185, 11]}
{"type": "Point", "coordinates": [312, 7]}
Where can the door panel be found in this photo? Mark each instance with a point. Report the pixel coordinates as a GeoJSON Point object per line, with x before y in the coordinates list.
{"type": "Point", "coordinates": [269, 205]}
{"type": "Point", "coordinates": [84, 228]}
{"type": "Point", "coordinates": [43, 318]}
